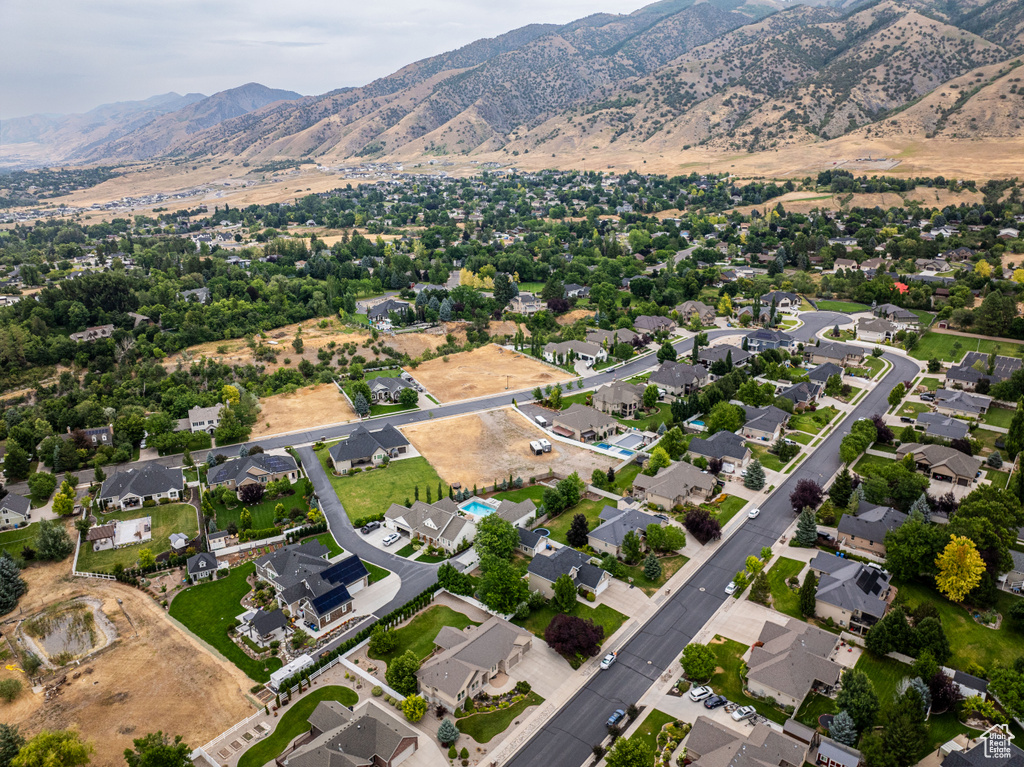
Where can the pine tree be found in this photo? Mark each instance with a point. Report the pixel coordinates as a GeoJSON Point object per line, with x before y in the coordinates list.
{"type": "Point", "coordinates": [579, 531]}
{"type": "Point", "coordinates": [447, 733]}
{"type": "Point", "coordinates": [652, 567]}
{"type": "Point", "coordinates": [754, 478]}
{"type": "Point", "coordinates": [921, 506]}
{"type": "Point", "coordinates": [429, 495]}
{"type": "Point", "coordinates": [843, 729]}
{"type": "Point", "coordinates": [841, 489]}
{"type": "Point", "coordinates": [440, 491]}
{"type": "Point", "coordinates": [12, 585]}
{"type": "Point", "coordinates": [807, 528]}
{"type": "Point", "coordinates": [809, 594]}
{"type": "Point", "coordinates": [611, 476]}
{"type": "Point", "coordinates": [1015, 435]}
{"type": "Point", "coordinates": [761, 590]}
{"type": "Point", "coordinates": [416, 493]}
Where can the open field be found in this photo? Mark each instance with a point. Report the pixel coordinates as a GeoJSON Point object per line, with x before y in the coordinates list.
{"type": "Point", "coordinates": [308, 407]}
{"type": "Point", "coordinates": [487, 370]}
{"type": "Point", "coordinates": [477, 449]}
{"type": "Point", "coordinates": [172, 518]}
{"type": "Point", "coordinates": [372, 492]}
{"type": "Point", "coordinates": [940, 346]}
{"type": "Point", "coordinates": [136, 686]}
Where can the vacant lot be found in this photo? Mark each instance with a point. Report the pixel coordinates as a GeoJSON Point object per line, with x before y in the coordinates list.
{"type": "Point", "coordinates": [138, 685]}
{"type": "Point", "coordinates": [373, 491]}
{"type": "Point", "coordinates": [940, 346]}
{"type": "Point", "coordinates": [477, 449]}
{"type": "Point", "coordinates": [303, 409]}
{"type": "Point", "coordinates": [487, 370]}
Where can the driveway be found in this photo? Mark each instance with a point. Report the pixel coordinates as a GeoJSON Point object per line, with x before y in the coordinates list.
{"type": "Point", "coordinates": [619, 596]}
{"type": "Point", "coordinates": [543, 668]}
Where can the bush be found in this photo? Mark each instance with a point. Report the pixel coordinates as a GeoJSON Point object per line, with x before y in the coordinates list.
{"type": "Point", "coordinates": [9, 689]}
{"type": "Point", "coordinates": [590, 596]}
{"type": "Point", "coordinates": [453, 753]}
{"type": "Point", "coordinates": [149, 504]}
{"type": "Point", "coordinates": [377, 691]}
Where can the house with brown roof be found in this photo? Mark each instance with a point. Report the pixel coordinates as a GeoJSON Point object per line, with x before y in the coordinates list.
{"type": "Point", "coordinates": [711, 744]}
{"type": "Point", "coordinates": [790, 660]}
{"type": "Point", "coordinates": [438, 524]}
{"type": "Point", "coordinates": [875, 330]}
{"type": "Point", "coordinates": [653, 324]}
{"type": "Point", "coordinates": [674, 485]}
{"type": "Point", "coordinates": [367, 736]}
{"type": "Point", "coordinates": [840, 354]}
{"type": "Point", "coordinates": [620, 399]}
{"type": "Point", "coordinates": [942, 463]}
{"type": "Point", "coordinates": [584, 424]}
{"type": "Point", "coordinates": [464, 662]}
{"type": "Point", "coordinates": [678, 378]}
{"type": "Point", "coordinates": [690, 309]}
{"type": "Point", "coordinates": [607, 339]}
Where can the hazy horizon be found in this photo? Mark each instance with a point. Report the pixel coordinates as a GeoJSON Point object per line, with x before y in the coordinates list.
{"type": "Point", "coordinates": [65, 58]}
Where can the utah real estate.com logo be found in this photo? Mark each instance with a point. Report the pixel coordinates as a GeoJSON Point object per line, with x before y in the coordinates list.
{"type": "Point", "coordinates": [997, 742]}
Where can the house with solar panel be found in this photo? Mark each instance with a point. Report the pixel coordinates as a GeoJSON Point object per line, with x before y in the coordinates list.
{"type": "Point", "coordinates": [260, 468]}
{"type": "Point", "coordinates": [315, 591]}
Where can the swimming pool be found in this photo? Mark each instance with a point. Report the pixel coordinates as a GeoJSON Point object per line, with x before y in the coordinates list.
{"type": "Point", "coordinates": [477, 508]}
{"type": "Point", "coordinates": [616, 448]}
{"type": "Point", "coordinates": [697, 423]}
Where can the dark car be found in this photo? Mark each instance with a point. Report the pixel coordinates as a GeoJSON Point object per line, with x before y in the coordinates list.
{"type": "Point", "coordinates": [369, 527]}
{"type": "Point", "coordinates": [617, 716]}
{"type": "Point", "coordinates": [904, 419]}
{"type": "Point", "coordinates": [715, 701]}
{"type": "Point", "coordinates": [822, 535]}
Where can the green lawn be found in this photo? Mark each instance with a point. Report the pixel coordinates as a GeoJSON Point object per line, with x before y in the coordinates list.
{"type": "Point", "coordinates": [846, 307]}
{"type": "Point", "coordinates": [931, 383]}
{"type": "Point", "coordinates": [970, 641]}
{"type": "Point", "coordinates": [940, 346]}
{"type": "Point", "coordinates": [376, 573]}
{"type": "Point", "coordinates": [430, 559]}
{"type": "Point", "coordinates": [624, 477]}
{"type": "Point", "coordinates": [785, 599]}
{"type": "Point", "coordinates": [376, 410]}
{"type": "Point", "coordinates": [999, 479]}
{"type": "Point", "coordinates": [602, 615]}
{"type": "Point", "coordinates": [418, 635]}
{"type": "Point", "coordinates": [998, 416]}
{"type": "Point", "coordinates": [173, 518]}
{"type": "Point", "coordinates": [534, 492]}
{"type": "Point", "coordinates": [987, 439]}
{"type": "Point", "coordinates": [727, 509]}
{"type": "Point", "coordinates": [912, 409]}
{"type": "Point", "coordinates": [815, 705]}
{"type": "Point", "coordinates": [406, 551]}
{"type": "Point", "coordinates": [328, 540]}
{"type": "Point", "coordinates": [768, 460]}
{"type": "Point", "coordinates": [651, 726]}
{"type": "Point", "coordinates": [208, 610]}
{"type": "Point", "coordinates": [372, 492]}
{"type": "Point", "coordinates": [15, 540]}
{"type": "Point", "coordinates": [868, 463]}
{"type": "Point", "coordinates": [294, 722]}
{"type": "Point", "coordinates": [262, 512]}
{"type": "Point", "coordinates": [483, 727]}
{"type": "Point", "coordinates": [813, 422]}
{"type": "Point", "coordinates": [669, 567]}
{"type": "Point", "coordinates": [652, 421]}
{"type": "Point", "coordinates": [559, 526]}
{"type": "Point", "coordinates": [801, 437]}
{"type": "Point", "coordinates": [727, 682]}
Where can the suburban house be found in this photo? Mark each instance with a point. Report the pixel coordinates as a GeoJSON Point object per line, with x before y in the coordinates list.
{"type": "Point", "coordinates": [438, 524]}
{"type": "Point", "coordinates": [93, 334]}
{"type": "Point", "coordinates": [367, 736]}
{"type": "Point", "coordinates": [530, 542]}
{"type": "Point", "coordinates": [572, 290]}
{"type": "Point", "coordinates": [981, 754]}
{"type": "Point", "coordinates": [845, 263]}
{"type": "Point", "coordinates": [382, 310]}
{"type": "Point", "coordinates": [708, 356]}
{"type": "Point", "coordinates": [607, 537]}
{"type": "Point", "coordinates": [313, 590]}
{"type": "Point", "coordinates": [653, 324]}
{"type": "Point", "coordinates": [831, 753]}
{"type": "Point", "coordinates": [679, 379]}
{"type": "Point", "coordinates": [841, 354]}
{"type": "Point", "coordinates": [15, 510]}
{"type": "Point", "coordinates": [204, 418]}
{"type": "Point", "coordinates": [674, 486]}
{"type": "Point", "coordinates": [784, 302]}
{"type": "Point", "coordinates": [875, 330]}
{"type": "Point", "coordinates": [766, 338]}
{"type": "Point", "coordinates": [130, 488]}
{"type": "Point", "coordinates": [764, 314]}
{"type": "Point", "coordinates": [953, 402]}
{"type": "Point", "coordinates": [975, 366]}
{"type": "Point", "coordinates": [802, 394]}
{"type": "Point", "coordinates": [608, 338]}
{"type": "Point", "coordinates": [764, 424]}
{"type": "Point", "coordinates": [202, 565]}
{"type": "Point", "coordinates": [256, 469]}
{"type": "Point", "coordinates": [942, 426]}
{"type": "Point", "coordinates": [567, 351]}
{"type": "Point", "coordinates": [825, 371]}
{"type": "Point", "coordinates": [902, 318]}
{"type": "Point", "coordinates": [368, 448]}
{"type": "Point", "coordinates": [526, 303]}
{"type": "Point", "coordinates": [583, 423]}
{"type": "Point", "coordinates": [790, 660]}
{"type": "Point", "coordinates": [386, 389]}
{"type": "Point", "coordinates": [866, 531]}
{"type": "Point", "coordinates": [1014, 579]}
{"type": "Point", "coordinates": [101, 435]}
{"type": "Point", "coordinates": [853, 595]}
{"type": "Point", "coordinates": [464, 662]}
{"type": "Point", "coordinates": [198, 295]}
{"type": "Point", "coordinates": [724, 445]}
{"type": "Point", "coordinates": [620, 399]}
{"type": "Point", "coordinates": [941, 463]}
{"type": "Point", "coordinates": [264, 627]}
{"type": "Point", "coordinates": [690, 309]}
{"type": "Point", "coordinates": [543, 571]}
{"type": "Point", "coordinates": [712, 744]}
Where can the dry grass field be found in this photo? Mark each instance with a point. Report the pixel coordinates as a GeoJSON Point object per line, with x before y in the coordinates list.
{"type": "Point", "coordinates": [135, 687]}
{"type": "Point", "coordinates": [576, 314]}
{"type": "Point", "coordinates": [486, 370]}
{"type": "Point", "coordinates": [308, 407]}
{"type": "Point", "coordinates": [469, 449]}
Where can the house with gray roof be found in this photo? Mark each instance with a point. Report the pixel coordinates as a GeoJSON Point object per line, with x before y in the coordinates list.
{"type": "Point", "coordinates": [529, 541]}
{"type": "Point", "coordinates": [802, 394]}
{"type": "Point", "coordinates": [608, 338]}
{"type": "Point", "coordinates": [674, 486]}
{"type": "Point", "coordinates": [387, 388]}
{"type": "Point", "coordinates": [201, 566]}
{"type": "Point", "coordinates": [130, 488]}
{"type": "Point", "coordinates": [723, 445]}
{"type": "Point", "coordinates": [763, 424]}
{"type": "Point", "coordinates": [942, 426]}
{"type": "Point", "coordinates": [834, 754]}
{"type": "Point", "coordinates": [839, 353]}
{"type": "Point", "coordinates": [383, 310]}
{"type": "Point", "coordinates": [584, 424]}
{"type": "Point", "coordinates": [205, 418]}
{"type": "Point", "coordinates": [941, 463]}
{"type": "Point", "coordinates": [825, 371]}
{"type": "Point", "coordinates": [713, 744]}
{"type": "Point", "coordinates": [866, 531]}
{"type": "Point", "coordinates": [790, 660]}
{"type": "Point", "coordinates": [199, 295]}
{"type": "Point", "coordinates": [902, 318]}
{"type": "Point", "coordinates": [93, 334]}
{"type": "Point", "coordinates": [255, 469]}
{"type": "Point", "coordinates": [368, 448]}
{"type": "Point", "coordinates": [679, 378]}
{"type": "Point", "coordinates": [767, 338]}
{"type": "Point", "coordinates": [653, 324]}
{"type": "Point", "coordinates": [960, 403]}
{"type": "Point", "coordinates": [619, 399]}
{"type": "Point", "coordinates": [607, 537]}
{"type": "Point", "coordinates": [690, 309]}
{"type": "Point", "coordinates": [367, 736]}
{"type": "Point", "coordinates": [975, 366]}
{"type": "Point", "coordinates": [438, 524]}
{"type": "Point", "coordinates": [526, 303]}
{"type": "Point", "coordinates": [15, 510]}
{"type": "Point", "coordinates": [784, 301]}
{"type": "Point", "coordinates": [264, 627]}
{"type": "Point", "coordinates": [980, 754]}
{"type": "Point", "coordinates": [543, 571]}
{"type": "Point", "coordinates": [464, 662]}
{"type": "Point", "coordinates": [855, 596]}
{"type": "Point", "coordinates": [1014, 579]}
{"type": "Point", "coordinates": [566, 351]}
{"type": "Point", "coordinates": [876, 330]}
{"type": "Point", "coordinates": [708, 356]}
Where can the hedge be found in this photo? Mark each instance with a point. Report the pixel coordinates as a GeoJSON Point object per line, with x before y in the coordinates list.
{"type": "Point", "coordinates": [308, 530]}
{"type": "Point", "coordinates": [360, 521]}
{"type": "Point", "coordinates": [255, 535]}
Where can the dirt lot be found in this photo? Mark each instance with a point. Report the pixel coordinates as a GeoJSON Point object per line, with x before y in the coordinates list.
{"type": "Point", "coordinates": [483, 371]}
{"type": "Point", "coordinates": [576, 314]}
{"type": "Point", "coordinates": [468, 448]}
{"type": "Point", "coordinates": [307, 407]}
{"type": "Point", "coordinates": [135, 687]}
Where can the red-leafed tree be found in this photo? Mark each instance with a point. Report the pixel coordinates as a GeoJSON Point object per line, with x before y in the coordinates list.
{"type": "Point", "coordinates": [250, 494]}
{"type": "Point", "coordinates": [808, 494]}
{"type": "Point", "coordinates": [702, 525]}
{"type": "Point", "coordinates": [573, 636]}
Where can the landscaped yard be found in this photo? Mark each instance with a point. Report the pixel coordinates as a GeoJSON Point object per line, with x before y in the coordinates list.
{"type": "Point", "coordinates": [418, 634]}
{"type": "Point", "coordinates": [534, 492]}
{"type": "Point", "coordinates": [483, 727]}
{"type": "Point", "coordinates": [376, 573]}
{"type": "Point", "coordinates": [998, 416]}
{"type": "Point", "coordinates": [940, 346]}
{"type": "Point", "coordinates": [801, 437]}
{"type": "Point", "coordinates": [173, 518]}
{"type": "Point", "coordinates": [912, 409]}
{"type": "Point", "coordinates": [931, 383]}
{"type": "Point", "coordinates": [208, 610]}
{"type": "Point", "coordinates": [14, 541]}
{"type": "Point", "coordinates": [624, 477]}
{"type": "Point", "coordinates": [846, 307]}
{"type": "Point", "coordinates": [998, 478]}
{"type": "Point", "coordinates": [372, 492]}
{"type": "Point", "coordinates": [987, 439]}
{"type": "Point", "coordinates": [669, 567]}
{"type": "Point", "coordinates": [868, 463]}
{"type": "Point", "coordinates": [813, 422]}
{"type": "Point", "coordinates": [559, 526]}
{"type": "Point", "coordinates": [650, 421]}
{"type": "Point", "coordinates": [768, 460]}
{"type": "Point", "coordinates": [602, 615]}
{"type": "Point", "coordinates": [294, 722]}
{"type": "Point", "coordinates": [651, 726]}
{"type": "Point", "coordinates": [727, 682]}
{"type": "Point", "coordinates": [262, 512]}
{"type": "Point", "coordinates": [785, 599]}
{"type": "Point", "coordinates": [727, 508]}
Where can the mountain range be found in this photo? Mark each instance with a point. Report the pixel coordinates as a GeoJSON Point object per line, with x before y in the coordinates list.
{"type": "Point", "coordinates": [733, 74]}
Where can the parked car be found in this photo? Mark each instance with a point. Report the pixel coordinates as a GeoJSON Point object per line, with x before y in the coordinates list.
{"type": "Point", "coordinates": [700, 693]}
{"type": "Point", "coordinates": [608, 660]}
{"type": "Point", "coordinates": [369, 527]}
{"type": "Point", "coordinates": [617, 716]}
{"type": "Point", "coordinates": [663, 517]}
{"type": "Point", "coordinates": [827, 537]}
{"type": "Point", "coordinates": [905, 419]}
{"type": "Point", "coordinates": [753, 513]}
{"type": "Point", "coordinates": [390, 538]}
{"type": "Point", "coordinates": [743, 712]}
{"type": "Point", "coordinates": [716, 701]}
{"type": "Point", "coordinates": [731, 588]}
{"type": "Point", "coordinates": [927, 397]}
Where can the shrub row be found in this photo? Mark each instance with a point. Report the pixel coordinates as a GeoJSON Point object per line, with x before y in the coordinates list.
{"type": "Point", "coordinates": [256, 535]}
{"type": "Point", "coordinates": [360, 521]}
{"type": "Point", "coordinates": [306, 531]}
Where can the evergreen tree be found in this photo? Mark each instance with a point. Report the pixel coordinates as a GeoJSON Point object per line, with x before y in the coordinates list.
{"type": "Point", "coordinates": [12, 585]}
{"type": "Point", "coordinates": [579, 531]}
{"type": "Point", "coordinates": [807, 528]}
{"type": "Point", "coordinates": [809, 594]}
{"type": "Point", "coordinates": [360, 405]}
{"type": "Point", "coordinates": [754, 478]}
{"type": "Point", "coordinates": [447, 733]}
{"type": "Point", "coordinates": [843, 729]}
{"type": "Point", "coordinates": [761, 590]}
{"type": "Point", "coordinates": [652, 567]}
{"type": "Point", "coordinates": [857, 697]}
{"type": "Point", "coordinates": [841, 489]}
{"type": "Point", "coordinates": [611, 476]}
{"type": "Point", "coordinates": [921, 507]}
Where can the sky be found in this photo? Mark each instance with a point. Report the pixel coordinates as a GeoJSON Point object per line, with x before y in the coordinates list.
{"type": "Point", "coordinates": [68, 56]}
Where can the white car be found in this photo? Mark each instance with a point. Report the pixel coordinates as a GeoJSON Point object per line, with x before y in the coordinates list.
{"type": "Point", "coordinates": [608, 660]}
{"type": "Point", "coordinates": [743, 712]}
{"type": "Point", "coordinates": [731, 588]}
{"type": "Point", "coordinates": [390, 538]}
{"type": "Point", "coordinates": [752, 514]}
{"type": "Point", "coordinates": [700, 693]}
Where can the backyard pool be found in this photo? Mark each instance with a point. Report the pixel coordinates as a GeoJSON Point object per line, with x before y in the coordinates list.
{"type": "Point", "coordinates": [698, 423]}
{"type": "Point", "coordinates": [614, 448]}
{"type": "Point", "coordinates": [477, 508]}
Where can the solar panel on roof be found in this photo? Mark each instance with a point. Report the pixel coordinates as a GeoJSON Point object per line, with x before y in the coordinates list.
{"type": "Point", "coordinates": [327, 602]}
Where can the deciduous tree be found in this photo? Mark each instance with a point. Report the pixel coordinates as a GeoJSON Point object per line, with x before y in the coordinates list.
{"type": "Point", "coordinates": [54, 748]}
{"type": "Point", "coordinates": [959, 568]}
{"type": "Point", "coordinates": [158, 750]}
{"type": "Point", "coordinates": [495, 537]}
{"type": "Point", "coordinates": [572, 636]}
{"type": "Point", "coordinates": [699, 662]}
{"type": "Point", "coordinates": [401, 673]}
{"type": "Point", "coordinates": [564, 598]}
